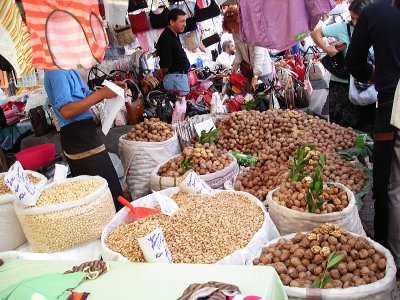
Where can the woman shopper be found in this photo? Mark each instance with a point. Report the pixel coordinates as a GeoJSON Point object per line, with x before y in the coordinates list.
{"type": "Point", "coordinates": [81, 143]}
{"type": "Point", "coordinates": [341, 111]}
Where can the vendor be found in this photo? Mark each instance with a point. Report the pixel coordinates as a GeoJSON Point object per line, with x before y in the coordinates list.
{"type": "Point", "coordinates": [174, 63]}
{"type": "Point", "coordinates": [225, 59]}
{"type": "Point", "coordinates": [82, 144]}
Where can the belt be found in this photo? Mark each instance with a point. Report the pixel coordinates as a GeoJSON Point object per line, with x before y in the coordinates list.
{"type": "Point", "coordinates": [178, 72]}
{"type": "Point", "coordinates": [86, 153]}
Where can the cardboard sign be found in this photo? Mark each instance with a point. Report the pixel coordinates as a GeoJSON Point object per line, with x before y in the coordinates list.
{"type": "Point", "coordinates": [193, 184]}
{"type": "Point", "coordinates": [60, 173]}
{"type": "Point", "coordinates": [112, 106]}
{"type": "Point", "coordinates": [155, 248]}
{"type": "Point", "coordinates": [18, 181]}
{"type": "Point", "coordinates": [167, 205]}
{"type": "Point", "coordinates": [206, 125]}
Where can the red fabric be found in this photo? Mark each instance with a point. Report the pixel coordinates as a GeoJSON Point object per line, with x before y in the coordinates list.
{"type": "Point", "coordinates": [193, 80]}
{"type": "Point", "coordinates": [139, 22]}
{"type": "Point", "coordinates": [200, 3]}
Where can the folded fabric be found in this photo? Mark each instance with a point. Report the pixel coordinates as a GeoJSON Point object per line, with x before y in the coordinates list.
{"type": "Point", "coordinates": [211, 290]}
{"type": "Point", "coordinates": [93, 269]}
{"type": "Point", "coordinates": [51, 286]}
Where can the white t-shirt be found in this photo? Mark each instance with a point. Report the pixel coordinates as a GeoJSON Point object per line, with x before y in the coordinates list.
{"type": "Point", "coordinates": [225, 59]}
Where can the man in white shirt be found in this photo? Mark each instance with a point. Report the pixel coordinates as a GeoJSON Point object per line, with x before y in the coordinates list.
{"type": "Point", "coordinates": [225, 59]}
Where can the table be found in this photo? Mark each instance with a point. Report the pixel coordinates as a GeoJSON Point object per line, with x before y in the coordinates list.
{"type": "Point", "coordinates": [152, 281]}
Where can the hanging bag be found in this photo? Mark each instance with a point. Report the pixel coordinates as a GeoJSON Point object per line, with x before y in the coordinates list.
{"type": "Point", "coordinates": [139, 22]}
{"type": "Point", "coordinates": [136, 5]}
{"type": "Point", "coordinates": [124, 35]}
{"type": "Point", "coordinates": [133, 103]}
{"type": "Point", "coordinates": [211, 40]}
{"type": "Point", "coordinates": [38, 119]}
{"type": "Point", "coordinates": [96, 78]}
{"type": "Point", "coordinates": [211, 11]}
{"type": "Point", "coordinates": [191, 24]}
{"type": "Point", "coordinates": [191, 40]}
{"type": "Point", "coordinates": [159, 20]}
{"type": "Point", "coordinates": [362, 97]}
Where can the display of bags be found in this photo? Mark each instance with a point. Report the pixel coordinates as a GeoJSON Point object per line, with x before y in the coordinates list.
{"type": "Point", "coordinates": [38, 119]}
{"type": "Point", "coordinates": [159, 20]}
{"type": "Point", "coordinates": [211, 11]}
{"type": "Point", "coordinates": [191, 23]}
{"type": "Point", "coordinates": [136, 5]}
{"type": "Point", "coordinates": [193, 80]}
{"type": "Point", "coordinates": [316, 70]}
{"type": "Point", "coordinates": [124, 35]}
{"type": "Point", "coordinates": [96, 78]}
{"type": "Point", "coordinates": [139, 22]}
{"type": "Point", "coordinates": [365, 96]}
{"type": "Point", "coordinates": [211, 40]}
{"type": "Point", "coordinates": [191, 40]}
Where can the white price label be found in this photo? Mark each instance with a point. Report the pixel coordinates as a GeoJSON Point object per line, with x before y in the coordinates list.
{"type": "Point", "coordinates": [193, 184]}
{"type": "Point", "coordinates": [167, 205]}
{"type": "Point", "coordinates": [155, 248]}
{"type": "Point", "coordinates": [60, 173]}
{"type": "Point", "coordinates": [206, 125]}
{"type": "Point", "coordinates": [18, 181]}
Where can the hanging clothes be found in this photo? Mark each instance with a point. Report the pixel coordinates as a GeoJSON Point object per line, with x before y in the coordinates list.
{"type": "Point", "coordinates": [116, 11]}
{"type": "Point", "coordinates": [278, 24]}
{"type": "Point", "coordinates": [65, 34]}
{"type": "Point", "coordinates": [15, 46]}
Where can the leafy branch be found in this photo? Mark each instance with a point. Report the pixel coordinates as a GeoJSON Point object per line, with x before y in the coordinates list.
{"type": "Point", "coordinates": [186, 164]}
{"type": "Point", "coordinates": [210, 136]}
{"type": "Point", "coordinates": [314, 194]}
{"type": "Point", "coordinates": [333, 261]}
{"type": "Point", "coordinates": [298, 163]}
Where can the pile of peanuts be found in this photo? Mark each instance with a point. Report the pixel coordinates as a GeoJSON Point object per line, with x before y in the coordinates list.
{"type": "Point", "coordinates": [61, 229]}
{"type": "Point", "coordinates": [4, 189]}
{"type": "Point", "coordinates": [204, 230]}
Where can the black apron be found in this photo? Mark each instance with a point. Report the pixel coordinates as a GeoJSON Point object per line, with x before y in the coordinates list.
{"type": "Point", "coordinates": [80, 137]}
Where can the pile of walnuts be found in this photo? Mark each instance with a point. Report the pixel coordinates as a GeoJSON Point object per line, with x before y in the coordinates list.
{"type": "Point", "coordinates": [204, 159]}
{"type": "Point", "coordinates": [275, 135]}
{"type": "Point", "coordinates": [151, 130]}
{"type": "Point", "coordinates": [300, 260]}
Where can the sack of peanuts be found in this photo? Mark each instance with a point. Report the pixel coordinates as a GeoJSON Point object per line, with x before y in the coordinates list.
{"type": "Point", "coordinates": [214, 179]}
{"type": "Point", "coordinates": [226, 227]}
{"type": "Point", "coordinates": [366, 270]}
{"type": "Point", "coordinates": [67, 214]}
{"type": "Point", "coordinates": [11, 234]}
{"type": "Point", "coordinates": [298, 218]}
{"type": "Point", "coordinates": [139, 159]}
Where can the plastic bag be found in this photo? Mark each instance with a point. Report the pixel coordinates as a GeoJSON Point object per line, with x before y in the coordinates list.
{"type": "Point", "coordinates": [366, 97]}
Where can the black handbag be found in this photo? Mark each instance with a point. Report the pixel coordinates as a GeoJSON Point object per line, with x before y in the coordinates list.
{"type": "Point", "coordinates": [159, 20]}
{"type": "Point", "coordinates": [159, 101]}
{"type": "Point", "coordinates": [336, 64]}
{"type": "Point", "coordinates": [211, 11]}
{"type": "Point", "coordinates": [136, 5]}
{"type": "Point", "coordinates": [96, 78]}
{"type": "Point", "coordinates": [191, 24]}
{"type": "Point", "coordinates": [38, 119]}
{"type": "Point", "coordinates": [211, 40]}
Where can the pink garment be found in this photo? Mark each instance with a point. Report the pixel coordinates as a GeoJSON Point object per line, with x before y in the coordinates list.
{"type": "Point", "coordinates": [278, 24]}
{"type": "Point", "coordinates": [141, 36]}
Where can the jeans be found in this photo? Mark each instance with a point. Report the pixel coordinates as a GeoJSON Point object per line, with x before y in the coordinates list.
{"type": "Point", "coordinates": [177, 83]}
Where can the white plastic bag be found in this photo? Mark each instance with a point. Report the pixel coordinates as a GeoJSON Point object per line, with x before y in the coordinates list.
{"type": "Point", "coordinates": [383, 289]}
{"type": "Point", "coordinates": [139, 160]}
{"type": "Point", "coordinates": [288, 220]}
{"type": "Point", "coordinates": [11, 234]}
{"type": "Point", "coordinates": [266, 233]}
{"type": "Point", "coordinates": [369, 96]}
{"type": "Point", "coordinates": [395, 118]}
{"type": "Point", "coordinates": [216, 180]}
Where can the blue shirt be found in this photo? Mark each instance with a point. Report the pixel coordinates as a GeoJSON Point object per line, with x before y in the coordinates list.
{"type": "Point", "coordinates": [63, 87]}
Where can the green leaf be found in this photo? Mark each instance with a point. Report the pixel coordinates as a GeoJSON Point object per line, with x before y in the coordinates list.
{"type": "Point", "coordinates": [325, 281]}
{"type": "Point", "coordinates": [186, 164]}
{"type": "Point", "coordinates": [335, 261]}
{"type": "Point", "coordinates": [360, 141]}
{"type": "Point", "coordinates": [318, 205]}
{"type": "Point", "coordinates": [310, 202]}
{"type": "Point", "coordinates": [317, 282]}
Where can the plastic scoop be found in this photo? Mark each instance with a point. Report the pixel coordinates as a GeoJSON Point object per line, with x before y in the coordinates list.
{"type": "Point", "coordinates": [138, 212]}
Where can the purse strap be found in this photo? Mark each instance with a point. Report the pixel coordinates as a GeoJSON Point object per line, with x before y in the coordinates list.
{"type": "Point", "coordinates": [94, 71]}
{"type": "Point", "coordinates": [192, 14]}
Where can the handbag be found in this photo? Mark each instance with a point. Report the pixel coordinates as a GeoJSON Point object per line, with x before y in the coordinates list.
{"type": "Point", "coordinates": [94, 79]}
{"type": "Point", "coordinates": [290, 94]}
{"type": "Point", "coordinates": [316, 70]}
{"type": "Point", "coordinates": [211, 11]}
{"type": "Point", "coordinates": [159, 20]}
{"type": "Point", "coordinates": [191, 24]}
{"type": "Point", "coordinates": [302, 97]}
{"type": "Point", "coordinates": [38, 120]}
{"type": "Point", "coordinates": [364, 97]}
{"type": "Point", "coordinates": [163, 109]}
{"type": "Point", "coordinates": [136, 5]}
{"type": "Point", "coordinates": [135, 111]}
{"type": "Point", "coordinates": [211, 40]}
{"type": "Point", "coordinates": [139, 22]}
{"type": "Point", "coordinates": [191, 40]}
{"type": "Point", "coordinates": [193, 80]}
{"type": "Point", "coordinates": [124, 35]}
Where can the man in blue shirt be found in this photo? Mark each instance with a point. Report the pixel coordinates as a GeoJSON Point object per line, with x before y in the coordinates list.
{"type": "Point", "coordinates": [82, 144]}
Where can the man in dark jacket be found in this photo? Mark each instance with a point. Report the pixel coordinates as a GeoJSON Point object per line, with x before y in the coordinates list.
{"type": "Point", "coordinates": [379, 26]}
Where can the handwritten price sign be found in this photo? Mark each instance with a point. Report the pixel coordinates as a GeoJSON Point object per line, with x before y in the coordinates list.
{"type": "Point", "coordinates": [155, 248]}
{"type": "Point", "coordinates": [193, 184]}
{"type": "Point", "coordinates": [17, 180]}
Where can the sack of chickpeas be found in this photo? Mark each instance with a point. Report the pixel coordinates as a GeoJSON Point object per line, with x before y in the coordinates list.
{"type": "Point", "coordinates": [11, 234]}
{"type": "Point", "coordinates": [67, 214]}
{"type": "Point", "coordinates": [363, 269]}
{"type": "Point", "coordinates": [289, 209]}
{"type": "Point", "coordinates": [148, 144]}
{"type": "Point", "coordinates": [169, 174]}
{"type": "Point", "coordinates": [226, 227]}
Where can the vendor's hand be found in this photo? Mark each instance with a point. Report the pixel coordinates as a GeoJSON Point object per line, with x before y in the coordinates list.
{"type": "Point", "coordinates": [254, 83]}
{"type": "Point", "coordinates": [159, 75]}
{"type": "Point", "coordinates": [107, 93]}
{"type": "Point", "coordinates": [331, 50]}
{"type": "Point", "coordinates": [121, 84]}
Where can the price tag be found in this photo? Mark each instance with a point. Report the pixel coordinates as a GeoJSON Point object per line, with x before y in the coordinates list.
{"type": "Point", "coordinates": [17, 180]}
{"type": "Point", "coordinates": [206, 125]}
{"type": "Point", "coordinates": [155, 248]}
{"type": "Point", "coordinates": [60, 173]}
{"type": "Point", "coordinates": [168, 206]}
{"type": "Point", "coordinates": [193, 184]}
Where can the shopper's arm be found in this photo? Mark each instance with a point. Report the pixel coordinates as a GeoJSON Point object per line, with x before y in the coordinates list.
{"type": "Point", "coordinates": [357, 54]}
{"type": "Point", "coordinates": [318, 37]}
